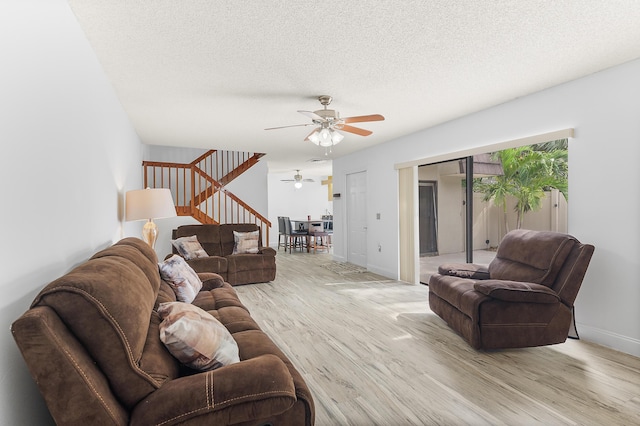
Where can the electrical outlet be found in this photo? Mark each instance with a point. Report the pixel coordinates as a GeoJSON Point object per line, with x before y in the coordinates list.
{"type": "Point", "coordinates": [378, 216]}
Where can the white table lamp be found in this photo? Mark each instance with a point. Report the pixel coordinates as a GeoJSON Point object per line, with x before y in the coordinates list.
{"type": "Point", "coordinates": [149, 204]}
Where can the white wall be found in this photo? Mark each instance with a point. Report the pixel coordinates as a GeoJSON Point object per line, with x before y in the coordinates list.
{"type": "Point", "coordinates": [286, 200]}
{"type": "Point", "coordinates": [68, 156]}
{"type": "Point", "coordinates": [603, 109]}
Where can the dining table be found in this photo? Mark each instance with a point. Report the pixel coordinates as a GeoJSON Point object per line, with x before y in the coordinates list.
{"type": "Point", "coordinates": [316, 238]}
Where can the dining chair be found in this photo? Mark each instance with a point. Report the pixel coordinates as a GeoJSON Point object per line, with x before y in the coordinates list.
{"type": "Point", "coordinates": [282, 233]}
{"type": "Point", "coordinates": [295, 237]}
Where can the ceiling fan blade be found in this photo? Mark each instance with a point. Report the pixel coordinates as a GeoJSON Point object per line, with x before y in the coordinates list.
{"type": "Point", "coordinates": [356, 130]}
{"type": "Point", "coordinates": [363, 118]}
{"type": "Point", "coordinates": [293, 125]}
{"type": "Point", "coordinates": [312, 115]}
{"type": "Point", "coordinates": [287, 180]}
{"type": "Point", "coordinates": [308, 180]}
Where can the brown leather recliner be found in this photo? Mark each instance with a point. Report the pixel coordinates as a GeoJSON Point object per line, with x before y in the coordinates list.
{"type": "Point", "coordinates": [523, 298]}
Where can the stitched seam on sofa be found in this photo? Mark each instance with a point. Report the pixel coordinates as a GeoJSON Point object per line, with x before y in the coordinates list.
{"type": "Point", "coordinates": [555, 256]}
{"type": "Point", "coordinates": [189, 413]}
{"type": "Point", "coordinates": [239, 398]}
{"type": "Point", "coordinates": [127, 346]}
{"type": "Point", "coordinates": [573, 267]}
{"type": "Point", "coordinates": [210, 400]}
{"type": "Point", "coordinates": [81, 373]}
{"type": "Point", "coordinates": [210, 395]}
{"type": "Point", "coordinates": [524, 324]}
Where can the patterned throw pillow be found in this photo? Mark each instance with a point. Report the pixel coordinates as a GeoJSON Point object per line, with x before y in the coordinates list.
{"type": "Point", "coordinates": [245, 242]}
{"type": "Point", "coordinates": [181, 277]}
{"type": "Point", "coordinates": [195, 337]}
{"type": "Point", "coordinates": [189, 247]}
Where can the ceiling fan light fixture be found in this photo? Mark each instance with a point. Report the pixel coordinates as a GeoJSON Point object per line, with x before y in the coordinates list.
{"type": "Point", "coordinates": [297, 185]}
{"type": "Point", "coordinates": [325, 137]}
{"type": "Point", "coordinates": [313, 137]}
{"type": "Point", "coordinates": [336, 137]}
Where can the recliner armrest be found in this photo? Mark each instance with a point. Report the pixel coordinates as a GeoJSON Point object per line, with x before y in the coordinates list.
{"type": "Point", "coordinates": [210, 280]}
{"type": "Point", "coordinates": [516, 291]}
{"type": "Point", "coordinates": [464, 270]}
{"type": "Point", "coordinates": [268, 251]}
{"type": "Point", "coordinates": [253, 389]}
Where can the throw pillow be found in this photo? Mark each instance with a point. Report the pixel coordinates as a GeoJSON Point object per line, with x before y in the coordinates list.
{"type": "Point", "coordinates": [181, 277]}
{"type": "Point", "coordinates": [189, 247]}
{"type": "Point", "coordinates": [245, 242]}
{"type": "Point", "coordinates": [195, 337]}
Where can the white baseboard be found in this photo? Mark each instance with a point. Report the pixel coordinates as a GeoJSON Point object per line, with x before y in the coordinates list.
{"type": "Point", "coordinates": [612, 340]}
{"type": "Point", "coordinates": [380, 271]}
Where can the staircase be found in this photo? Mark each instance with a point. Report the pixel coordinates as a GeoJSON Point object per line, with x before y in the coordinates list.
{"type": "Point", "coordinates": [198, 187]}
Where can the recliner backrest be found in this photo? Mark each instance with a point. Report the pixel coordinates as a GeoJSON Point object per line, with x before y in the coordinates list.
{"type": "Point", "coordinates": [569, 279]}
{"type": "Point", "coordinates": [107, 303]}
{"type": "Point", "coordinates": [531, 256]}
{"type": "Point", "coordinates": [208, 237]}
{"type": "Point", "coordinates": [227, 240]}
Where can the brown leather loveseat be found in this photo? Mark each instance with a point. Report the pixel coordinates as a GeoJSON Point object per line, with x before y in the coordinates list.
{"type": "Point", "coordinates": [218, 241]}
{"type": "Point", "coordinates": [523, 298]}
{"type": "Point", "coordinates": [91, 341]}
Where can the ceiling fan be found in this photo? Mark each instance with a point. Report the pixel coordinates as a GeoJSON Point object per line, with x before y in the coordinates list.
{"type": "Point", "coordinates": [297, 178]}
{"type": "Point", "coordinates": [328, 122]}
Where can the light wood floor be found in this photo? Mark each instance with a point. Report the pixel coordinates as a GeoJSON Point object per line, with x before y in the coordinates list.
{"type": "Point", "coordinates": [373, 354]}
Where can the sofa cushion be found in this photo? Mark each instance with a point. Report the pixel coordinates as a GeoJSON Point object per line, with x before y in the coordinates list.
{"type": "Point", "coordinates": [457, 292]}
{"type": "Point", "coordinates": [218, 298]}
{"type": "Point", "coordinates": [181, 277]}
{"type": "Point", "coordinates": [107, 303]}
{"type": "Point", "coordinates": [531, 256]}
{"type": "Point", "coordinates": [235, 319]}
{"type": "Point", "coordinates": [515, 291]}
{"type": "Point", "coordinates": [245, 242]}
{"type": "Point", "coordinates": [189, 247]}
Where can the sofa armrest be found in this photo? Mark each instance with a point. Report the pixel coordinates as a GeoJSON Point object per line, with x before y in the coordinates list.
{"type": "Point", "coordinates": [464, 270]}
{"type": "Point", "coordinates": [210, 280]}
{"type": "Point", "coordinates": [516, 291]}
{"type": "Point", "coordinates": [254, 389]}
{"type": "Point", "coordinates": [268, 251]}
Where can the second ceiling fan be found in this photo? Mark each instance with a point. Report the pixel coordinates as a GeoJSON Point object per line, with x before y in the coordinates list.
{"type": "Point", "coordinates": [328, 122]}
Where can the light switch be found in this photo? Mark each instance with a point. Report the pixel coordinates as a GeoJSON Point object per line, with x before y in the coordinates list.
{"type": "Point", "coordinates": [378, 216]}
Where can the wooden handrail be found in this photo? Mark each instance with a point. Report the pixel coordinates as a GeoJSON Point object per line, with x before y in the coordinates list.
{"type": "Point", "coordinates": [195, 188]}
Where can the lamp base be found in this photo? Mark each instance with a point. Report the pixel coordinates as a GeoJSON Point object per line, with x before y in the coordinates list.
{"type": "Point", "coordinates": [150, 233]}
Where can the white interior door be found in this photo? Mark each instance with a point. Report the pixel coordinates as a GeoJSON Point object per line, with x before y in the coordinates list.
{"type": "Point", "coordinates": [357, 218]}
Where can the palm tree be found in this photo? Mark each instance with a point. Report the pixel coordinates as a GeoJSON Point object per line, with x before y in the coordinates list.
{"type": "Point", "coordinates": [529, 171]}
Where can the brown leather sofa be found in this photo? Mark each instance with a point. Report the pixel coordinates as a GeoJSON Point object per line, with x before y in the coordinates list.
{"type": "Point", "coordinates": [218, 242]}
{"type": "Point", "coordinates": [523, 298]}
{"type": "Point", "coordinates": [91, 341]}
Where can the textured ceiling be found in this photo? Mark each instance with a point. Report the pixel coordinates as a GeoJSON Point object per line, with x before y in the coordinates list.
{"type": "Point", "coordinates": [215, 74]}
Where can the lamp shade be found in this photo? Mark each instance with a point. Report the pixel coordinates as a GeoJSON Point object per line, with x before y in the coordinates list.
{"type": "Point", "coordinates": [149, 204]}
